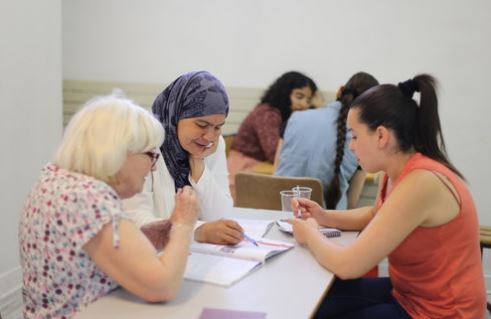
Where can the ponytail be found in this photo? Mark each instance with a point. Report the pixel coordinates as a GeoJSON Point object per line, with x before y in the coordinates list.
{"type": "Point", "coordinates": [428, 138]}
{"type": "Point", "coordinates": [416, 127]}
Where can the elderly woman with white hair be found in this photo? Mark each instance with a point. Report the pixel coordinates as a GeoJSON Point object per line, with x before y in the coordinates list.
{"type": "Point", "coordinates": [76, 244]}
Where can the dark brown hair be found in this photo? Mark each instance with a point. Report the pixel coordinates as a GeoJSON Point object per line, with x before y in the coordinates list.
{"type": "Point", "coordinates": [356, 85]}
{"type": "Point", "coordinates": [416, 127]}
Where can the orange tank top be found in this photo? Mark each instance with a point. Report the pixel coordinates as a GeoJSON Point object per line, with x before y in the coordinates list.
{"type": "Point", "coordinates": [436, 272]}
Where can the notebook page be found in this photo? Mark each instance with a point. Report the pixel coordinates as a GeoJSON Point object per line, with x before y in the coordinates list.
{"type": "Point", "coordinates": [217, 270]}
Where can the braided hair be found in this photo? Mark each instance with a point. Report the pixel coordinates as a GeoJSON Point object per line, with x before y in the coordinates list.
{"type": "Point", "coordinates": [356, 85]}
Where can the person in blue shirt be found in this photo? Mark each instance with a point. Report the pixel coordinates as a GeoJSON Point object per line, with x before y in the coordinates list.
{"type": "Point", "coordinates": [315, 144]}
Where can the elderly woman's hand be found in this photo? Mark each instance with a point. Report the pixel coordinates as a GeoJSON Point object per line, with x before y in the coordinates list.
{"type": "Point", "coordinates": [187, 207]}
{"type": "Point", "coordinates": [223, 231]}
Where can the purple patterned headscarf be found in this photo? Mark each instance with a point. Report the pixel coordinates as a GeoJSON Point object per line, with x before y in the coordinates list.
{"type": "Point", "coordinates": [192, 94]}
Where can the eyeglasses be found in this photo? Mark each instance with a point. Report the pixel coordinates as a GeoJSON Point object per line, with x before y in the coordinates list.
{"type": "Point", "coordinates": [154, 156]}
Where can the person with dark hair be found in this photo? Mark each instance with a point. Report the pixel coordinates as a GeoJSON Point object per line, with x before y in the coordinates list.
{"type": "Point", "coordinates": [259, 133]}
{"type": "Point", "coordinates": [424, 219]}
{"type": "Point", "coordinates": [325, 154]}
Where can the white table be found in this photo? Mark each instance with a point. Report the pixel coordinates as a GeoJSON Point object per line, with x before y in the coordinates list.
{"type": "Point", "coordinates": [289, 285]}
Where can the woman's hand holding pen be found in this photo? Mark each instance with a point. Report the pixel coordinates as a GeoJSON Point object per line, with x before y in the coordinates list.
{"type": "Point", "coordinates": [223, 231]}
{"type": "Point", "coordinates": [310, 214]}
{"type": "Point", "coordinates": [307, 208]}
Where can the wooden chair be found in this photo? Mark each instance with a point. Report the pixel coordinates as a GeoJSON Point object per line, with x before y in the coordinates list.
{"type": "Point", "coordinates": [228, 142]}
{"type": "Point", "coordinates": [254, 190]}
{"type": "Point", "coordinates": [485, 242]}
{"type": "Point", "coordinates": [264, 168]}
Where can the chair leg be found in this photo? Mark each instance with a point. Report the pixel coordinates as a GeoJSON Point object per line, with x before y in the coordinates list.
{"type": "Point", "coordinates": [488, 305]}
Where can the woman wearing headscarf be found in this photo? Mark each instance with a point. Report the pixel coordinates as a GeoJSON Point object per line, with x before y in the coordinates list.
{"type": "Point", "coordinates": [192, 110]}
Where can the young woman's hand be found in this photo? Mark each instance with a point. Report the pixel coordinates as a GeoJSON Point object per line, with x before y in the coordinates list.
{"type": "Point", "coordinates": [301, 228]}
{"type": "Point", "coordinates": [187, 207]}
{"type": "Point", "coordinates": [223, 231]}
{"type": "Point", "coordinates": [308, 208]}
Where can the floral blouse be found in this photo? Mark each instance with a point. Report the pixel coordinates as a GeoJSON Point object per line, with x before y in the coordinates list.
{"type": "Point", "coordinates": [62, 213]}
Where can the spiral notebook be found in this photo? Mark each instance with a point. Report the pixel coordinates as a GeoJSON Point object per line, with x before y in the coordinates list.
{"type": "Point", "coordinates": [284, 226]}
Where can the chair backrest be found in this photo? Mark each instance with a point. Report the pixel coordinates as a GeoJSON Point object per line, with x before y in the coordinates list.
{"type": "Point", "coordinates": [228, 142]}
{"type": "Point", "coordinates": [254, 190]}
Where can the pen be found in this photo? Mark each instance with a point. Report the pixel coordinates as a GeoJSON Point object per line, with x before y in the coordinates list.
{"type": "Point", "coordinates": [299, 211]}
{"type": "Point", "coordinates": [250, 239]}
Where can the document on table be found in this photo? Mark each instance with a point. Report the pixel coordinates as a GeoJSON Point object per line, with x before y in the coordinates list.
{"type": "Point", "coordinates": [224, 265]}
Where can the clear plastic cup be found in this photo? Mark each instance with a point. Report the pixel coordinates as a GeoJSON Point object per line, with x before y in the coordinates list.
{"type": "Point", "coordinates": [303, 192]}
{"type": "Point", "coordinates": [286, 199]}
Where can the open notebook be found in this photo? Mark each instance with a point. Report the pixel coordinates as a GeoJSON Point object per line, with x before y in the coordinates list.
{"type": "Point", "coordinates": [224, 265]}
{"type": "Point", "coordinates": [328, 232]}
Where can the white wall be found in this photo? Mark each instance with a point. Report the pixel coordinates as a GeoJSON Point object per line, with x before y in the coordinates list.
{"type": "Point", "coordinates": [30, 113]}
{"type": "Point", "coordinates": [249, 43]}
{"type": "Point", "coordinates": [246, 43]}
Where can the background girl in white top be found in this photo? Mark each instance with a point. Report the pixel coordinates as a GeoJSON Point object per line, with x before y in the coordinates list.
{"type": "Point", "coordinates": [192, 110]}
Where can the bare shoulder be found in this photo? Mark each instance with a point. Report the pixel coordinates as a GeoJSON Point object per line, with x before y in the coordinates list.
{"type": "Point", "coordinates": [430, 193]}
{"type": "Point", "coordinates": [426, 182]}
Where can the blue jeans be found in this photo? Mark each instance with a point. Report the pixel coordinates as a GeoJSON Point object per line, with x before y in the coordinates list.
{"type": "Point", "coordinates": [361, 298]}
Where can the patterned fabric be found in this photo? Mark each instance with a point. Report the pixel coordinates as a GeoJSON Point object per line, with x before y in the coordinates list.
{"type": "Point", "coordinates": [62, 213]}
{"type": "Point", "coordinates": [191, 95]}
{"type": "Point", "coordinates": [259, 133]}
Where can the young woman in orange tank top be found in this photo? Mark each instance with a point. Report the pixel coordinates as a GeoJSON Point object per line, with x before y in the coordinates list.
{"type": "Point", "coordinates": [424, 219]}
